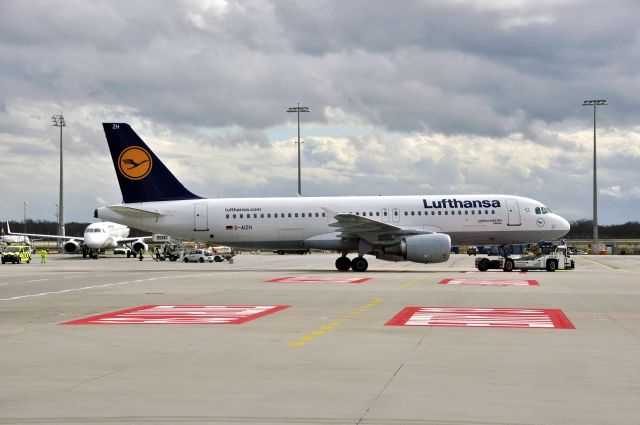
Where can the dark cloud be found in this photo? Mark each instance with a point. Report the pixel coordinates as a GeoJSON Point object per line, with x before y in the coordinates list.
{"type": "Point", "coordinates": [221, 74]}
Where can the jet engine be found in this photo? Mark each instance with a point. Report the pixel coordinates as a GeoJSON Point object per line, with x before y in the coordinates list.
{"type": "Point", "coordinates": [139, 245]}
{"type": "Point", "coordinates": [71, 247]}
{"type": "Point", "coordinates": [429, 248]}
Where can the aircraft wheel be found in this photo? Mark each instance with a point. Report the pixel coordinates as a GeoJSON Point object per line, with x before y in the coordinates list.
{"type": "Point", "coordinates": [359, 264]}
{"type": "Point", "coordinates": [343, 264]}
{"type": "Point", "coordinates": [508, 265]}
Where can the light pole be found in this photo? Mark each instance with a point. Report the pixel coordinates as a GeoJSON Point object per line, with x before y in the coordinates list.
{"type": "Point", "coordinates": [58, 121]}
{"type": "Point", "coordinates": [25, 216]}
{"type": "Point", "coordinates": [594, 103]}
{"type": "Point", "coordinates": [299, 109]}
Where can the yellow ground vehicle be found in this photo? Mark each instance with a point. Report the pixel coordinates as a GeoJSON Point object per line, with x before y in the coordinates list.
{"type": "Point", "coordinates": [16, 254]}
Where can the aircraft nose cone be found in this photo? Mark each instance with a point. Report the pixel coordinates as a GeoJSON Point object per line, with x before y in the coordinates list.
{"type": "Point", "coordinates": [564, 224]}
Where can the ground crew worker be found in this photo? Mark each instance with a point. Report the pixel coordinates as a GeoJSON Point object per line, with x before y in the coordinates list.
{"type": "Point", "coordinates": [155, 253]}
{"type": "Point", "coordinates": [43, 256]}
{"type": "Point", "coordinates": [140, 254]}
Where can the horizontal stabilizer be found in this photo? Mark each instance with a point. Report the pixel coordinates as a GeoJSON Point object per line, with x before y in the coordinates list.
{"type": "Point", "coordinates": [135, 212]}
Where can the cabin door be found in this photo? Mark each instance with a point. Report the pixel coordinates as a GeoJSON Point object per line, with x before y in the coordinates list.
{"type": "Point", "coordinates": [514, 212]}
{"type": "Point", "coordinates": [201, 217]}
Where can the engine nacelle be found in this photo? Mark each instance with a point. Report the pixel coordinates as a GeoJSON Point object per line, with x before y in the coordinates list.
{"type": "Point", "coordinates": [430, 248]}
{"type": "Point", "coordinates": [139, 245]}
{"type": "Point", "coordinates": [71, 247]}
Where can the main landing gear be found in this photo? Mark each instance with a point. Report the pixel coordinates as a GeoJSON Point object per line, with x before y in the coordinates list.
{"type": "Point", "coordinates": [358, 264]}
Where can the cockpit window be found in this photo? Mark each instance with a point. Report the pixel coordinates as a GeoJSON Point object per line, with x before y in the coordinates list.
{"type": "Point", "coordinates": [542, 210]}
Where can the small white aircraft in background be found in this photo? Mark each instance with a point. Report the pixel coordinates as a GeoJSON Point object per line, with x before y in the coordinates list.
{"type": "Point", "coordinates": [97, 236]}
{"type": "Point", "coordinates": [13, 239]}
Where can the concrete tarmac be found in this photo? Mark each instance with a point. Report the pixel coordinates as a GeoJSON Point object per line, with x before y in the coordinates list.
{"type": "Point", "coordinates": [329, 357]}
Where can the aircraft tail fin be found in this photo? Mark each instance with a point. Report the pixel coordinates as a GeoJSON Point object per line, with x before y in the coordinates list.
{"type": "Point", "coordinates": [141, 174]}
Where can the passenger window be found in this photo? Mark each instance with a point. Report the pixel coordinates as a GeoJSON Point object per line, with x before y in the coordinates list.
{"type": "Point", "coordinates": [459, 212]}
{"type": "Point", "coordinates": [433, 213]}
{"type": "Point", "coordinates": [324, 214]}
{"type": "Point", "coordinates": [255, 216]}
{"type": "Point", "coordinates": [317, 215]}
{"type": "Point", "coordinates": [406, 213]}
{"type": "Point", "coordinates": [413, 213]}
{"type": "Point", "coordinates": [234, 216]}
{"type": "Point", "coordinates": [378, 213]}
{"type": "Point", "coordinates": [227, 215]}
{"type": "Point", "coordinates": [302, 215]}
{"type": "Point", "coordinates": [370, 214]}
{"type": "Point", "coordinates": [486, 212]}
{"type": "Point", "coordinates": [269, 215]}
{"type": "Point", "coordinates": [466, 213]}
{"type": "Point", "coordinates": [493, 211]}
{"type": "Point", "coordinates": [439, 212]}
{"type": "Point", "coordinates": [261, 215]}
{"type": "Point", "coordinates": [419, 212]}
{"type": "Point", "coordinates": [241, 215]}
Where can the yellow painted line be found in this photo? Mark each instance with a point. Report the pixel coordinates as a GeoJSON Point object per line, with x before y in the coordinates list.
{"type": "Point", "coordinates": [610, 268]}
{"type": "Point", "coordinates": [323, 329]}
{"type": "Point", "coordinates": [412, 282]}
{"type": "Point", "coordinates": [595, 262]}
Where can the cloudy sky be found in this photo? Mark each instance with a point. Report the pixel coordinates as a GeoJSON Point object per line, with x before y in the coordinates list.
{"type": "Point", "coordinates": [406, 97]}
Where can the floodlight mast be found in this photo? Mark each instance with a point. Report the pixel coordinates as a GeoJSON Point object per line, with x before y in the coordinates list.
{"type": "Point", "coordinates": [299, 109]}
{"type": "Point", "coordinates": [58, 121]}
{"type": "Point", "coordinates": [595, 103]}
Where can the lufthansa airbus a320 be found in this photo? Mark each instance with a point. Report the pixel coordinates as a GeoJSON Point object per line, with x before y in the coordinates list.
{"type": "Point", "coordinates": [394, 228]}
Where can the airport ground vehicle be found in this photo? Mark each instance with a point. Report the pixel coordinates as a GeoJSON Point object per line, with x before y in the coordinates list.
{"type": "Point", "coordinates": [199, 256]}
{"type": "Point", "coordinates": [16, 254]}
{"type": "Point", "coordinates": [221, 253]}
{"type": "Point", "coordinates": [549, 258]}
{"type": "Point", "coordinates": [122, 251]}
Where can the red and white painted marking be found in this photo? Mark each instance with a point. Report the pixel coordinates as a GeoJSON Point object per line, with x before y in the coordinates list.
{"type": "Point", "coordinates": [319, 280]}
{"type": "Point", "coordinates": [495, 271]}
{"type": "Point", "coordinates": [181, 315]}
{"type": "Point", "coordinates": [482, 317]}
{"type": "Point", "coordinates": [492, 282]}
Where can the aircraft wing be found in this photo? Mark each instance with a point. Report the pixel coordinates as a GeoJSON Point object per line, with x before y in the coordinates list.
{"type": "Point", "coordinates": [375, 232]}
{"type": "Point", "coordinates": [127, 240]}
{"type": "Point", "coordinates": [34, 235]}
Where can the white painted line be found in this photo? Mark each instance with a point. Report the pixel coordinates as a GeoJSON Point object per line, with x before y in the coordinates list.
{"type": "Point", "coordinates": [84, 288]}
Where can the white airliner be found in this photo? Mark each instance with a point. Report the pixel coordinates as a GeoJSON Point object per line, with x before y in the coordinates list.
{"type": "Point", "coordinates": [97, 236]}
{"type": "Point", "coordinates": [14, 239]}
{"type": "Point", "coordinates": [395, 228]}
